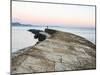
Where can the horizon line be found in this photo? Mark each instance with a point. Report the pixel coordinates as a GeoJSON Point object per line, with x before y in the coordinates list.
{"type": "Point", "coordinates": [44, 25]}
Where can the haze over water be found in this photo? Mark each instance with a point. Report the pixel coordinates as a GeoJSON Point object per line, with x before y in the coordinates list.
{"type": "Point", "coordinates": [53, 14]}
{"type": "Point", "coordinates": [21, 38]}
{"type": "Point", "coordinates": [76, 19]}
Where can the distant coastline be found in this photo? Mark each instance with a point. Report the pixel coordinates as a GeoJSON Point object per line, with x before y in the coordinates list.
{"type": "Point", "coordinates": [19, 24]}
{"type": "Point", "coordinates": [37, 25]}
{"type": "Point", "coordinates": [19, 31]}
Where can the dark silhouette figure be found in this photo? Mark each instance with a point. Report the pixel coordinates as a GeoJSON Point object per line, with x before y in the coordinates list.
{"type": "Point", "coordinates": [47, 27]}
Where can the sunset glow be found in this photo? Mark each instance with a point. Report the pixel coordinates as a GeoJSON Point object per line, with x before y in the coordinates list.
{"type": "Point", "coordinates": [53, 14]}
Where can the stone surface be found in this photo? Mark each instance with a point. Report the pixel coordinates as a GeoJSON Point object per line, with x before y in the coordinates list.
{"type": "Point", "coordinates": [62, 51]}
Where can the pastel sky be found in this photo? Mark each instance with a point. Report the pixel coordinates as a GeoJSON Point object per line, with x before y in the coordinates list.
{"type": "Point", "coordinates": [53, 14]}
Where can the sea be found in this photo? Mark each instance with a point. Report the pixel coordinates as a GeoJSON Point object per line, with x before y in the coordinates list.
{"type": "Point", "coordinates": [22, 38]}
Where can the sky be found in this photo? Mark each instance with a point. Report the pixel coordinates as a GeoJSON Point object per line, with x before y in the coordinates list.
{"type": "Point", "coordinates": [53, 14]}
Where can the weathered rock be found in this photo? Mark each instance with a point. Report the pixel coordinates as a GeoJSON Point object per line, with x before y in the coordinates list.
{"type": "Point", "coordinates": [40, 35]}
{"type": "Point", "coordinates": [61, 51]}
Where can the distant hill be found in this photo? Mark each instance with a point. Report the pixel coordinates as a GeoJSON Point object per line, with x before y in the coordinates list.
{"type": "Point", "coordinates": [41, 25]}
{"type": "Point", "coordinates": [19, 24]}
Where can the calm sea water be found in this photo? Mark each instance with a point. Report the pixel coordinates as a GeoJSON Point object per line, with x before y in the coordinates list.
{"type": "Point", "coordinates": [22, 38]}
{"type": "Point", "coordinates": [88, 33]}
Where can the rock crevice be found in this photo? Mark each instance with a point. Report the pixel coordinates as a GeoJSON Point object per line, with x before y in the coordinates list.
{"type": "Point", "coordinates": [61, 51]}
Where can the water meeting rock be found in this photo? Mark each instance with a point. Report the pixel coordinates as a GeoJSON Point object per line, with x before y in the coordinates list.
{"type": "Point", "coordinates": [61, 51]}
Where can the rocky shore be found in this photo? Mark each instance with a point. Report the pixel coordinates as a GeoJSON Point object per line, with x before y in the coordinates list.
{"type": "Point", "coordinates": [61, 51]}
